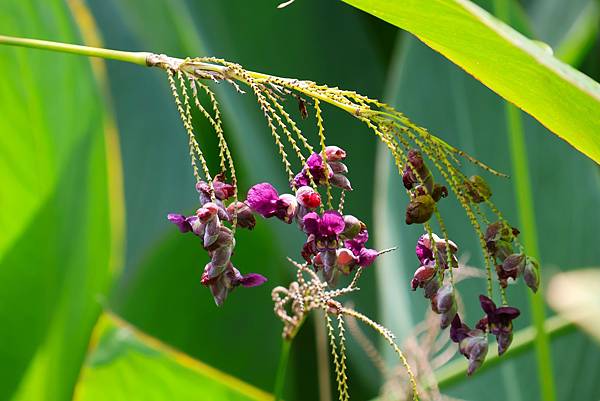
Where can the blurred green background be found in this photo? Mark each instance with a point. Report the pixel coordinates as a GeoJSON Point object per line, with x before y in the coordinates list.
{"type": "Point", "coordinates": [67, 252]}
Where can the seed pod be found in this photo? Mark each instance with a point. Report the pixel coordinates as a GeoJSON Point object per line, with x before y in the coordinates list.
{"type": "Point", "coordinates": [419, 209]}
{"type": "Point", "coordinates": [531, 274]}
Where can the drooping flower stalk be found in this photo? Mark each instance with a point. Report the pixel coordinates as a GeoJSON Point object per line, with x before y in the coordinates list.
{"type": "Point", "coordinates": [335, 245]}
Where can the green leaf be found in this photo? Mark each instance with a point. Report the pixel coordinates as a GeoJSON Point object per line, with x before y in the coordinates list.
{"type": "Point", "coordinates": [126, 364]}
{"type": "Point", "coordinates": [56, 247]}
{"type": "Point", "coordinates": [563, 99]}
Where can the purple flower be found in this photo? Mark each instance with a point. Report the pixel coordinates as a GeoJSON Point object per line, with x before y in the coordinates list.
{"type": "Point", "coordinates": [334, 153]}
{"type": "Point", "coordinates": [446, 305]}
{"type": "Point", "coordinates": [366, 256]}
{"type": "Point", "coordinates": [180, 221]}
{"type": "Point", "coordinates": [325, 228]}
{"type": "Point", "coordinates": [315, 167]}
{"type": "Point", "coordinates": [222, 284]}
{"type": "Point", "coordinates": [422, 276]}
{"type": "Point", "coordinates": [499, 321]}
{"type": "Point", "coordinates": [424, 250]}
{"type": "Point", "coordinates": [245, 218]}
{"type": "Point", "coordinates": [264, 200]}
{"type": "Point", "coordinates": [471, 343]}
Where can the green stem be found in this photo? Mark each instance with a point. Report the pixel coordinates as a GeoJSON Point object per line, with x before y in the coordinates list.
{"type": "Point", "coordinates": [523, 340]}
{"type": "Point", "coordinates": [129, 57]}
{"type": "Point", "coordinates": [286, 345]}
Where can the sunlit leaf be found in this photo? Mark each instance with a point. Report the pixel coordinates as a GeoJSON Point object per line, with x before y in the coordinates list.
{"type": "Point", "coordinates": [563, 99]}
{"type": "Point", "coordinates": [125, 364]}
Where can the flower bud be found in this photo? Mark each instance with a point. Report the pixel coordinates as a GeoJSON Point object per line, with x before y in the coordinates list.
{"type": "Point", "coordinates": [211, 233]}
{"type": "Point", "coordinates": [334, 153]}
{"type": "Point", "coordinates": [446, 305]}
{"type": "Point", "coordinates": [222, 190]}
{"type": "Point", "coordinates": [308, 197]}
{"type": "Point", "coordinates": [340, 181]}
{"type": "Point", "coordinates": [514, 264]}
{"type": "Point", "coordinates": [474, 347]}
{"type": "Point", "coordinates": [338, 167]}
{"type": "Point", "coordinates": [245, 217]}
{"type": "Point", "coordinates": [346, 260]}
{"type": "Point", "coordinates": [422, 276]}
{"type": "Point", "coordinates": [289, 206]}
{"type": "Point", "coordinates": [478, 189]}
{"type": "Point", "coordinates": [531, 274]}
{"type": "Point", "coordinates": [419, 209]}
{"type": "Point", "coordinates": [207, 212]}
{"type": "Point", "coordinates": [352, 226]}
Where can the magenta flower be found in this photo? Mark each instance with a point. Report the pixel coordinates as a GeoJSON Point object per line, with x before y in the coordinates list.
{"type": "Point", "coordinates": [222, 284]}
{"type": "Point", "coordinates": [264, 200]}
{"type": "Point", "coordinates": [499, 321]}
{"type": "Point", "coordinates": [315, 167]}
{"type": "Point", "coordinates": [326, 229]}
{"type": "Point", "coordinates": [180, 221]}
{"type": "Point", "coordinates": [424, 251]}
{"type": "Point", "coordinates": [366, 256]}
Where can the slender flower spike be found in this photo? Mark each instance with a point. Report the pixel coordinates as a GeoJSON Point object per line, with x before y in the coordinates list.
{"type": "Point", "coordinates": [499, 321]}
{"type": "Point", "coordinates": [264, 200]}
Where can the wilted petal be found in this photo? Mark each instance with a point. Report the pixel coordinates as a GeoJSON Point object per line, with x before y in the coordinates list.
{"type": "Point", "coordinates": [252, 280]}
{"type": "Point", "coordinates": [180, 221]}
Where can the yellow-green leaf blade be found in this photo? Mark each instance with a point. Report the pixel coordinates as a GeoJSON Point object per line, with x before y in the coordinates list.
{"type": "Point", "coordinates": [126, 364]}
{"type": "Point", "coordinates": [564, 100]}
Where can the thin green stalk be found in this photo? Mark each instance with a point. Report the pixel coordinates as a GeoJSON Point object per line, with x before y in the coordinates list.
{"type": "Point", "coordinates": [522, 185]}
{"type": "Point", "coordinates": [523, 340]}
{"type": "Point", "coordinates": [129, 57]}
{"type": "Point", "coordinates": [286, 345]}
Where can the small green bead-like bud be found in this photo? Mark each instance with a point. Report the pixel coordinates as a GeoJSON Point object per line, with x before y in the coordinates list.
{"type": "Point", "coordinates": [419, 209]}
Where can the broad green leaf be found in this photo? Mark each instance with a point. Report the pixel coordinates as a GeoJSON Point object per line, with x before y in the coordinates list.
{"type": "Point", "coordinates": [563, 99]}
{"type": "Point", "coordinates": [125, 364]}
{"type": "Point", "coordinates": [57, 246]}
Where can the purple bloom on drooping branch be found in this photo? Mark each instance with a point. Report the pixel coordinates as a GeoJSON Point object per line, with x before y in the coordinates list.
{"type": "Point", "coordinates": [180, 221]}
{"type": "Point", "coordinates": [264, 200]}
{"type": "Point", "coordinates": [499, 321]}
{"type": "Point", "coordinates": [222, 284]}
{"type": "Point", "coordinates": [472, 343]}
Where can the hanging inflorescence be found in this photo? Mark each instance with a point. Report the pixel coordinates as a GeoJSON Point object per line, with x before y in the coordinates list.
{"type": "Point", "coordinates": [335, 243]}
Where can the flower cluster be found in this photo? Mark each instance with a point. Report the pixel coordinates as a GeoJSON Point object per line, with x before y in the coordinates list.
{"type": "Point", "coordinates": [335, 243]}
{"type": "Point", "coordinates": [220, 276]}
{"type": "Point", "coordinates": [499, 240]}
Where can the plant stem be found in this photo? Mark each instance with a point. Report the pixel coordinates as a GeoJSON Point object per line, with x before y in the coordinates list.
{"type": "Point", "coordinates": [129, 57]}
{"type": "Point", "coordinates": [523, 340]}
{"type": "Point", "coordinates": [286, 345]}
